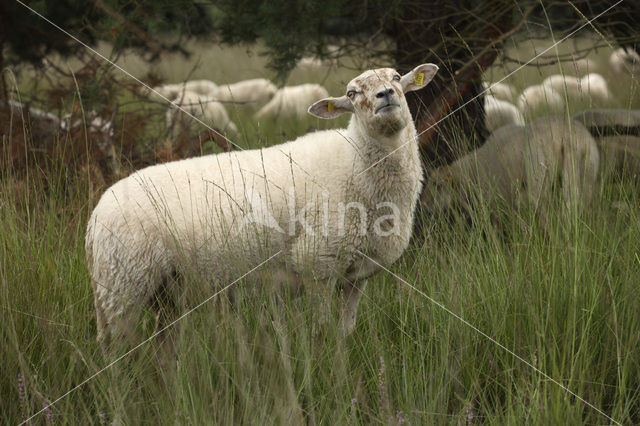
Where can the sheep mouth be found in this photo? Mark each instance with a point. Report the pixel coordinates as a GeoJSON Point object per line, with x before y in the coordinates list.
{"type": "Point", "coordinates": [386, 107]}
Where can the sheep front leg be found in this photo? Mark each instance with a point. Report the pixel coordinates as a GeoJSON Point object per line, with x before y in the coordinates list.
{"type": "Point", "coordinates": [351, 293]}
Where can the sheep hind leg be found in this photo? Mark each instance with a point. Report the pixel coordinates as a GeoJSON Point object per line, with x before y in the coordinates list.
{"type": "Point", "coordinates": [166, 304]}
{"type": "Point", "coordinates": [116, 330]}
{"type": "Point", "coordinates": [579, 174]}
{"type": "Point", "coordinates": [118, 311]}
{"type": "Point", "coordinates": [351, 294]}
{"type": "Point", "coordinates": [538, 190]}
{"type": "Point", "coordinates": [104, 337]}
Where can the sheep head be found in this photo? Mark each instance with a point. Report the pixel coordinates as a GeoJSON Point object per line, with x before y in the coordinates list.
{"type": "Point", "coordinates": [376, 98]}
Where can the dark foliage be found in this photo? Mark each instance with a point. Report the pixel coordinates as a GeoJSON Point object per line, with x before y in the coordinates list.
{"type": "Point", "coordinates": [27, 37]}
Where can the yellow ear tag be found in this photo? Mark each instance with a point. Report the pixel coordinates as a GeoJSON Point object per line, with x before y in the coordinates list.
{"type": "Point", "coordinates": [330, 106]}
{"type": "Point", "coordinates": [418, 79]}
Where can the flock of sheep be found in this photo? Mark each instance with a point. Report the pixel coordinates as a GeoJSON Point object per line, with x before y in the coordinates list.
{"type": "Point", "coordinates": [332, 206]}
{"type": "Point", "coordinates": [522, 160]}
{"type": "Point", "coordinates": [206, 101]}
{"type": "Point", "coordinates": [555, 92]}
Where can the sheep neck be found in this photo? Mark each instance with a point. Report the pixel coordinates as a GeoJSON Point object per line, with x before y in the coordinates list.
{"type": "Point", "coordinates": [386, 165]}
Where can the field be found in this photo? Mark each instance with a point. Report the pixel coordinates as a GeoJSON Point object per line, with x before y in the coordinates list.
{"type": "Point", "coordinates": [482, 324]}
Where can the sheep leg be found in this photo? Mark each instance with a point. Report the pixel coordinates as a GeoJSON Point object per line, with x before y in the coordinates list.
{"type": "Point", "coordinates": [118, 309]}
{"type": "Point", "coordinates": [351, 294]}
{"type": "Point", "coordinates": [101, 326]}
{"type": "Point", "coordinates": [167, 305]}
{"type": "Point", "coordinates": [166, 341]}
{"type": "Point", "coordinates": [115, 328]}
{"type": "Point", "coordinates": [570, 185]}
{"type": "Point", "coordinates": [579, 178]}
{"type": "Point", "coordinates": [538, 187]}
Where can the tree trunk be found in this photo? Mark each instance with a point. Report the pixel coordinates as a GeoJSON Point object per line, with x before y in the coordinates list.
{"type": "Point", "coordinates": [4, 92]}
{"type": "Point", "coordinates": [439, 36]}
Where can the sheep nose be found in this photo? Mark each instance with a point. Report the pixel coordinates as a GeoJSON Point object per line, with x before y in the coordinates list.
{"type": "Point", "coordinates": [383, 93]}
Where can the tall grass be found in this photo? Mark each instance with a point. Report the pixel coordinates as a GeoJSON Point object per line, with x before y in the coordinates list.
{"type": "Point", "coordinates": [564, 297]}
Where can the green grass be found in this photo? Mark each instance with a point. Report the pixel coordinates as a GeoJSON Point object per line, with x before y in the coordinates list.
{"type": "Point", "coordinates": [564, 298]}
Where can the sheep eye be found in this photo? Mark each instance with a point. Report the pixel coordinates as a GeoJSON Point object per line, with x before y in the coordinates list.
{"type": "Point", "coordinates": [351, 94]}
{"type": "Point", "coordinates": [396, 77]}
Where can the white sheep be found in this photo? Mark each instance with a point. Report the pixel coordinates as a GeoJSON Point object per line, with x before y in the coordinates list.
{"type": "Point", "coordinates": [596, 86]}
{"type": "Point", "coordinates": [592, 87]}
{"type": "Point", "coordinates": [564, 83]}
{"type": "Point", "coordinates": [625, 62]}
{"type": "Point", "coordinates": [502, 91]}
{"type": "Point", "coordinates": [203, 87]}
{"type": "Point", "coordinates": [310, 62]}
{"type": "Point", "coordinates": [499, 113]}
{"type": "Point", "coordinates": [174, 91]}
{"type": "Point", "coordinates": [540, 100]}
{"type": "Point", "coordinates": [520, 164]}
{"type": "Point", "coordinates": [251, 94]}
{"type": "Point", "coordinates": [317, 203]}
{"type": "Point", "coordinates": [292, 101]}
{"type": "Point", "coordinates": [205, 108]}
{"type": "Point", "coordinates": [313, 63]}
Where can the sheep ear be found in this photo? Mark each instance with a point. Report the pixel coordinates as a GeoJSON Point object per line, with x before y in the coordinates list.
{"type": "Point", "coordinates": [418, 78]}
{"type": "Point", "coordinates": [331, 107]}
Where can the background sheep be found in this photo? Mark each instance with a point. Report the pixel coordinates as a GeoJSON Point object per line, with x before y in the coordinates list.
{"type": "Point", "coordinates": [500, 91]}
{"type": "Point", "coordinates": [591, 88]}
{"type": "Point", "coordinates": [564, 83]}
{"type": "Point", "coordinates": [292, 101]}
{"type": "Point", "coordinates": [617, 133]}
{"type": "Point", "coordinates": [520, 161]}
{"type": "Point", "coordinates": [596, 86]}
{"type": "Point", "coordinates": [499, 113]}
{"type": "Point", "coordinates": [540, 100]}
{"type": "Point", "coordinates": [249, 94]}
{"type": "Point", "coordinates": [310, 62]}
{"type": "Point", "coordinates": [198, 208]}
{"type": "Point", "coordinates": [202, 107]}
{"type": "Point", "coordinates": [313, 63]}
{"type": "Point", "coordinates": [625, 62]}
{"type": "Point", "coordinates": [174, 91]}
